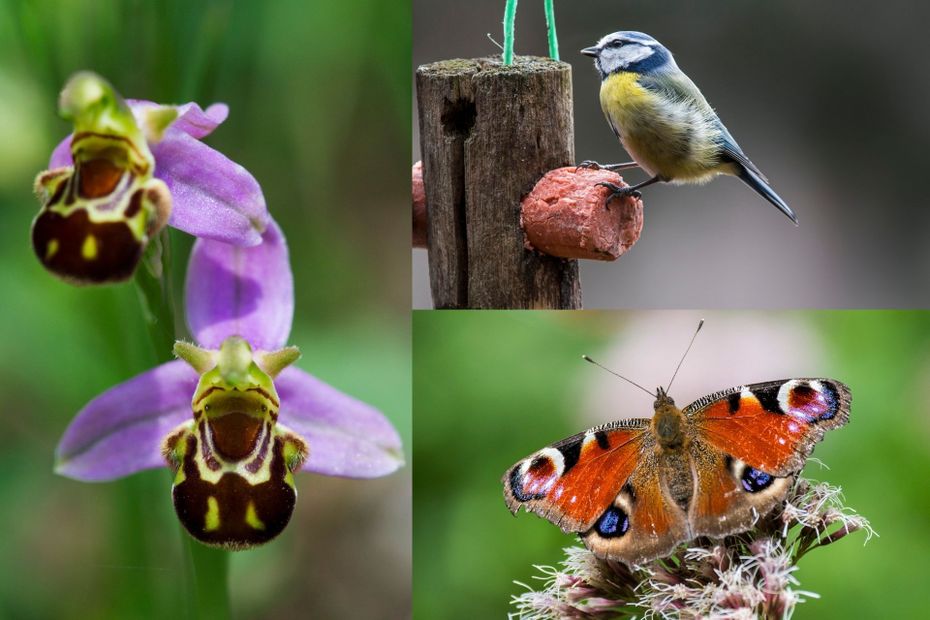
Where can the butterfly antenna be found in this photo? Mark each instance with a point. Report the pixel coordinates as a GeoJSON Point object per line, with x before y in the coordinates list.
{"type": "Point", "coordinates": [680, 362]}
{"type": "Point", "coordinates": [588, 359]}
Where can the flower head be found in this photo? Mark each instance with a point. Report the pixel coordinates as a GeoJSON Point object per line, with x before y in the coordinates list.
{"type": "Point", "coordinates": [750, 575]}
{"type": "Point", "coordinates": [129, 169]}
{"type": "Point", "coordinates": [232, 417]}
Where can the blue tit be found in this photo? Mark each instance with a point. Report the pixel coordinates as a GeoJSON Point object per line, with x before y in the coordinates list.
{"type": "Point", "coordinates": [663, 120]}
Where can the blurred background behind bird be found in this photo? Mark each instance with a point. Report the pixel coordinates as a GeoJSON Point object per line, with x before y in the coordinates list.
{"type": "Point", "coordinates": [827, 99]}
{"type": "Point", "coordinates": [331, 160]}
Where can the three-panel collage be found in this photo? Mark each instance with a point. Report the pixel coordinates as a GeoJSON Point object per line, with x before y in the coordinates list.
{"type": "Point", "coordinates": [649, 338]}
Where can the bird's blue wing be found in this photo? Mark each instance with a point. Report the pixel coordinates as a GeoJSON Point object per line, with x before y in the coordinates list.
{"type": "Point", "coordinates": [732, 150]}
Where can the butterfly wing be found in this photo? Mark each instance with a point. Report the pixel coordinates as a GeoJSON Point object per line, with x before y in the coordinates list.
{"type": "Point", "coordinates": [771, 426]}
{"type": "Point", "coordinates": [749, 443]}
{"type": "Point", "coordinates": [605, 485]}
{"type": "Point", "coordinates": [573, 481]}
{"type": "Point", "coordinates": [729, 495]}
{"type": "Point", "coordinates": [643, 522]}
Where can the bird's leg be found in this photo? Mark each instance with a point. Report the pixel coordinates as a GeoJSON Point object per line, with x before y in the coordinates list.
{"type": "Point", "coordinates": [593, 165]}
{"type": "Point", "coordinates": [622, 192]}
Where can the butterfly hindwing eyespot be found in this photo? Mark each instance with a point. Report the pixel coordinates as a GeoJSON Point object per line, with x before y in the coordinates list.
{"type": "Point", "coordinates": [615, 522]}
{"type": "Point", "coordinates": [751, 480]}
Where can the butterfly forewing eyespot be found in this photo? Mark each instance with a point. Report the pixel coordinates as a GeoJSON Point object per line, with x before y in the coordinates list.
{"type": "Point", "coordinates": [809, 400]}
{"type": "Point", "coordinates": [534, 476]}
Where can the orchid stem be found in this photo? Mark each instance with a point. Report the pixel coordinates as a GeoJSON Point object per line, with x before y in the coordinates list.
{"type": "Point", "coordinates": [210, 568]}
{"type": "Point", "coordinates": [207, 570]}
{"type": "Point", "coordinates": [510, 16]}
{"type": "Point", "coordinates": [153, 282]}
{"type": "Point", "coordinates": [550, 24]}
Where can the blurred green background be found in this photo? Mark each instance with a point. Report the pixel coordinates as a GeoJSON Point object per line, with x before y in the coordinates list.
{"type": "Point", "coordinates": [319, 113]}
{"type": "Point", "coordinates": [493, 387]}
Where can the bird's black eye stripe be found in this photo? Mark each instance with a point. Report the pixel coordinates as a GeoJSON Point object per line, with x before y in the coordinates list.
{"type": "Point", "coordinates": [615, 43]}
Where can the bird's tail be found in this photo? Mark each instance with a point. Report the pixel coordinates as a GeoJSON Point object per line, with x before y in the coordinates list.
{"type": "Point", "coordinates": [757, 183]}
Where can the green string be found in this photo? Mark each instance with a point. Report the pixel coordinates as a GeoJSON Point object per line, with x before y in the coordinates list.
{"type": "Point", "coordinates": [550, 24]}
{"type": "Point", "coordinates": [510, 16]}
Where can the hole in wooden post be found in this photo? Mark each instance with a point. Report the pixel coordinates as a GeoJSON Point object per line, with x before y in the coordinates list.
{"type": "Point", "coordinates": [458, 117]}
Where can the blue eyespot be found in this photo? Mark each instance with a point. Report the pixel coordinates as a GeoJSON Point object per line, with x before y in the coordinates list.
{"type": "Point", "coordinates": [754, 480]}
{"type": "Point", "coordinates": [613, 523]}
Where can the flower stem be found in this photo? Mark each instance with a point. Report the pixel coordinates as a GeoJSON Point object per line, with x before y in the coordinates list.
{"type": "Point", "coordinates": [510, 16]}
{"type": "Point", "coordinates": [210, 569]}
{"type": "Point", "coordinates": [550, 24]}
{"type": "Point", "coordinates": [207, 569]}
{"type": "Point", "coordinates": [153, 282]}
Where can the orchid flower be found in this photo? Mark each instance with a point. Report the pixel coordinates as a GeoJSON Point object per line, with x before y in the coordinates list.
{"type": "Point", "coordinates": [129, 169]}
{"type": "Point", "coordinates": [231, 417]}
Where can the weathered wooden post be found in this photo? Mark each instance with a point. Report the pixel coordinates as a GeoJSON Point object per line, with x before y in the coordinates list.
{"type": "Point", "coordinates": [488, 132]}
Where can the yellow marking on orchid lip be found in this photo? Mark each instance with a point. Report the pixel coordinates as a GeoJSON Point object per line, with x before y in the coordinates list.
{"type": "Point", "coordinates": [89, 249]}
{"type": "Point", "coordinates": [251, 517]}
{"type": "Point", "coordinates": [212, 520]}
{"type": "Point", "coordinates": [51, 248]}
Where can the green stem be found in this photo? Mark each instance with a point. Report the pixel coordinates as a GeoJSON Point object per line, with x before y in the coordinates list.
{"type": "Point", "coordinates": [153, 282]}
{"type": "Point", "coordinates": [550, 24]}
{"type": "Point", "coordinates": [207, 569]}
{"type": "Point", "coordinates": [510, 16]}
{"type": "Point", "coordinates": [210, 569]}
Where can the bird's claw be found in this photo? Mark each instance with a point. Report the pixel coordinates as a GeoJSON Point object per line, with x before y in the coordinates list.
{"type": "Point", "coordinates": [619, 192]}
{"type": "Point", "coordinates": [588, 164]}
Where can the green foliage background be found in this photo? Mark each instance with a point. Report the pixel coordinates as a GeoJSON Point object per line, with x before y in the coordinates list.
{"type": "Point", "coordinates": [319, 98]}
{"type": "Point", "coordinates": [492, 387]}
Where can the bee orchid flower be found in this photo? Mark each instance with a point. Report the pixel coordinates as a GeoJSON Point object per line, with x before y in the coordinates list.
{"type": "Point", "coordinates": [130, 168]}
{"type": "Point", "coordinates": [231, 417]}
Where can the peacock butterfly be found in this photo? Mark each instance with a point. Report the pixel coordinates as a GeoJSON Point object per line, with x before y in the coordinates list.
{"type": "Point", "coordinates": [635, 489]}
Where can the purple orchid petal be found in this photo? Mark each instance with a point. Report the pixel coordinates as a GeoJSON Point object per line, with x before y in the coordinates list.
{"type": "Point", "coordinates": [199, 123]}
{"type": "Point", "coordinates": [120, 432]}
{"type": "Point", "coordinates": [213, 197]}
{"type": "Point", "coordinates": [346, 437]}
{"type": "Point", "coordinates": [235, 291]}
{"type": "Point", "coordinates": [61, 156]}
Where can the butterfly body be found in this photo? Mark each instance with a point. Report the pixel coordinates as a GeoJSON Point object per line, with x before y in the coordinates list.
{"type": "Point", "coordinates": [635, 489]}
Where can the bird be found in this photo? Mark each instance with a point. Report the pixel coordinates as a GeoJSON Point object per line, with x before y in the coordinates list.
{"type": "Point", "coordinates": [664, 122]}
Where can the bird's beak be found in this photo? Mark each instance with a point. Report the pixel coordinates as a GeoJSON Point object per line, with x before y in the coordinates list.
{"type": "Point", "coordinates": [590, 51]}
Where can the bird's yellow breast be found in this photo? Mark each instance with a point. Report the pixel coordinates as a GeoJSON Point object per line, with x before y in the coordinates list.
{"type": "Point", "coordinates": [666, 136]}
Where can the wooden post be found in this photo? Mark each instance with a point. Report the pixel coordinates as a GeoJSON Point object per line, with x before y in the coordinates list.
{"type": "Point", "coordinates": [488, 132]}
